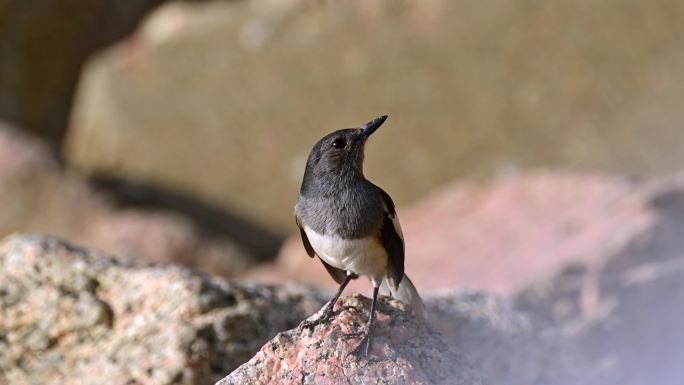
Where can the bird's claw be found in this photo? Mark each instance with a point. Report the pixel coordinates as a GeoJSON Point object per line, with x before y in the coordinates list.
{"type": "Point", "coordinates": [326, 316]}
{"type": "Point", "coordinates": [348, 336]}
{"type": "Point", "coordinates": [362, 349]}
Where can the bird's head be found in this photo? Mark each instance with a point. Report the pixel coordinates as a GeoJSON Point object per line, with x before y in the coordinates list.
{"type": "Point", "coordinates": [341, 152]}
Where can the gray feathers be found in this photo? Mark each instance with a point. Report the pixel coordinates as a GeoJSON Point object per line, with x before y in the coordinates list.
{"type": "Point", "coordinates": [335, 197]}
{"type": "Point", "coordinates": [353, 211]}
{"type": "Point", "coordinates": [349, 222]}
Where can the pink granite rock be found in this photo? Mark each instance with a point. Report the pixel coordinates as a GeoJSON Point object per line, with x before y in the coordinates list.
{"type": "Point", "coordinates": [405, 350]}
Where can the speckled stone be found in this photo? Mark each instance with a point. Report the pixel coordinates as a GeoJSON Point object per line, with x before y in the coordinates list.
{"type": "Point", "coordinates": [68, 316]}
{"type": "Point", "coordinates": [405, 350]}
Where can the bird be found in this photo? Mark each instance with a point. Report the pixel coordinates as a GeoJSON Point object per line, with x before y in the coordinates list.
{"type": "Point", "coordinates": [351, 224]}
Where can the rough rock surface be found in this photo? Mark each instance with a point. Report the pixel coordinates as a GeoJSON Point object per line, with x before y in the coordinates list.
{"type": "Point", "coordinates": [405, 351]}
{"type": "Point", "coordinates": [40, 196]}
{"type": "Point", "coordinates": [71, 317]}
{"type": "Point", "coordinates": [470, 87]}
{"type": "Point", "coordinates": [503, 235]}
{"type": "Point", "coordinates": [503, 345]}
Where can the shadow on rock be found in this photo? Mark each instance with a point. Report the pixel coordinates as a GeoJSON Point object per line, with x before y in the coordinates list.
{"type": "Point", "coordinates": [40, 196]}
{"type": "Point", "coordinates": [211, 220]}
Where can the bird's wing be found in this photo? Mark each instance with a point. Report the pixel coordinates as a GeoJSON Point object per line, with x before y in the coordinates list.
{"type": "Point", "coordinates": [337, 274]}
{"type": "Point", "coordinates": [305, 240]}
{"type": "Point", "coordinates": [392, 240]}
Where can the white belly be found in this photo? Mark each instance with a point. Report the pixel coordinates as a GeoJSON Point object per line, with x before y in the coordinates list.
{"type": "Point", "coordinates": [364, 256]}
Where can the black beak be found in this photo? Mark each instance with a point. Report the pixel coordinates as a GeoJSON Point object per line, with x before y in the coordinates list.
{"type": "Point", "coordinates": [371, 126]}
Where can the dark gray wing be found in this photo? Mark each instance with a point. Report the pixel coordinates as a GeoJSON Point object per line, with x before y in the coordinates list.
{"type": "Point", "coordinates": [337, 274]}
{"type": "Point", "coordinates": [305, 240]}
{"type": "Point", "coordinates": [393, 241]}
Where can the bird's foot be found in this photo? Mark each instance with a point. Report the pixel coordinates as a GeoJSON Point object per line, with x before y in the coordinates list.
{"type": "Point", "coordinates": [362, 348]}
{"type": "Point", "coordinates": [349, 336]}
{"type": "Point", "coordinates": [326, 316]}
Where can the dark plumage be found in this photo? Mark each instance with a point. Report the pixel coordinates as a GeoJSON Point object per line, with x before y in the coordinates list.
{"type": "Point", "coordinates": [350, 223]}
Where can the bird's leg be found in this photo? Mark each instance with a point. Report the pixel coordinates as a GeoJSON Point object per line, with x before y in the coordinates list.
{"type": "Point", "coordinates": [360, 349]}
{"type": "Point", "coordinates": [328, 310]}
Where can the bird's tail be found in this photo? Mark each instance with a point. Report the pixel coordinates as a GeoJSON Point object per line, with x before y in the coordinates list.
{"type": "Point", "coordinates": [405, 293]}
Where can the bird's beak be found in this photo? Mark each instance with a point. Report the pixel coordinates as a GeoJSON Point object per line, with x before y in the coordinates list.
{"type": "Point", "coordinates": [371, 126]}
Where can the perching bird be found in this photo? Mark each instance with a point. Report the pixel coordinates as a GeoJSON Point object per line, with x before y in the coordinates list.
{"type": "Point", "coordinates": [351, 224]}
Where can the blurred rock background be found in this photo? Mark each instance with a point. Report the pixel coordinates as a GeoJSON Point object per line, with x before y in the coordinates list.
{"type": "Point", "coordinates": [534, 150]}
{"type": "Point", "coordinates": [220, 100]}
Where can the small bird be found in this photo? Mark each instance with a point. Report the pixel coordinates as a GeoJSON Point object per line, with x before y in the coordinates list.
{"type": "Point", "coordinates": [350, 224]}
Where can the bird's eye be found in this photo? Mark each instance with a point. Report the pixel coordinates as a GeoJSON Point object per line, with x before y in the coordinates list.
{"type": "Point", "coordinates": [339, 143]}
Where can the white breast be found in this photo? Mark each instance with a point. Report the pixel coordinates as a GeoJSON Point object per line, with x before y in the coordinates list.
{"type": "Point", "coordinates": [364, 256]}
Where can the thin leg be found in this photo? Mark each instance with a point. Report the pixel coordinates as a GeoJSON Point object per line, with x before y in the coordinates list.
{"type": "Point", "coordinates": [370, 320]}
{"type": "Point", "coordinates": [329, 307]}
{"type": "Point", "coordinates": [369, 327]}
{"type": "Point", "coordinates": [328, 310]}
